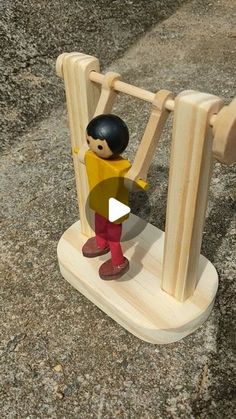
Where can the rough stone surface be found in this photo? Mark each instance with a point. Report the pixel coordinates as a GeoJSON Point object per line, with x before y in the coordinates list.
{"type": "Point", "coordinates": [33, 33]}
{"type": "Point", "coordinates": [61, 357]}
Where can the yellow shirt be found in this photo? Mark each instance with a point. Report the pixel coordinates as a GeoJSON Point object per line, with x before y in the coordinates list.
{"type": "Point", "coordinates": [99, 171]}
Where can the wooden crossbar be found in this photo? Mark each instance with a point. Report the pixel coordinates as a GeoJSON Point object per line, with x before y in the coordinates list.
{"type": "Point", "coordinates": [137, 92]}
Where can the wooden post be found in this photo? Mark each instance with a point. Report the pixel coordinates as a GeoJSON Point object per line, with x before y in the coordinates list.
{"type": "Point", "coordinates": [82, 97]}
{"type": "Point", "coordinates": [190, 173]}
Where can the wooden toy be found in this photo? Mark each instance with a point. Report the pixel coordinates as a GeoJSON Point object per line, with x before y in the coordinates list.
{"type": "Point", "coordinates": [170, 288]}
{"type": "Point", "coordinates": [107, 137]}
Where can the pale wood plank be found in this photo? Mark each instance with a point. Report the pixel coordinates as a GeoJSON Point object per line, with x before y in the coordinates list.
{"type": "Point", "coordinates": [82, 97]}
{"type": "Point", "coordinates": [224, 129]}
{"type": "Point", "coordinates": [137, 301]}
{"type": "Point", "coordinates": [190, 172]}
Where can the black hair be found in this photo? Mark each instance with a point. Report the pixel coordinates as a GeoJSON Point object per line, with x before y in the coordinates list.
{"type": "Point", "coordinates": [112, 129]}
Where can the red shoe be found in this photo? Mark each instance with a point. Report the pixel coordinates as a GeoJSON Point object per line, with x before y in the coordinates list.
{"type": "Point", "coordinates": [91, 250]}
{"type": "Point", "coordinates": [108, 271]}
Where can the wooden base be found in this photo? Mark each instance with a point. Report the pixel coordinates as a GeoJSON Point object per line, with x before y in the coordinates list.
{"type": "Point", "coordinates": [136, 301]}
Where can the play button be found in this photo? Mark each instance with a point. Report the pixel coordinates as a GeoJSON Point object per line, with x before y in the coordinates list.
{"type": "Point", "coordinates": [117, 209]}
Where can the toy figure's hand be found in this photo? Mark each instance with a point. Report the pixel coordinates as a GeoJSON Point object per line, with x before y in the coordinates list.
{"type": "Point", "coordinates": [80, 152]}
{"type": "Point", "coordinates": [130, 185]}
{"type": "Point", "coordinates": [135, 185]}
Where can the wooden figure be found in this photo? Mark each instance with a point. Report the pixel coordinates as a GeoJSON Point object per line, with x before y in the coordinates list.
{"type": "Point", "coordinates": [107, 138]}
{"type": "Point", "coordinates": [169, 289]}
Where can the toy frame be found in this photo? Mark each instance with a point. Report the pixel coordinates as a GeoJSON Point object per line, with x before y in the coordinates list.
{"type": "Point", "coordinates": [170, 288]}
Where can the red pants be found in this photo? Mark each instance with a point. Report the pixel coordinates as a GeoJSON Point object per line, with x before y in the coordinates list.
{"type": "Point", "coordinates": [109, 234]}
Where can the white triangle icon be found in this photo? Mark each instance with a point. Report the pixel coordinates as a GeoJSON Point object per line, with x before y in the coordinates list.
{"type": "Point", "coordinates": [117, 209]}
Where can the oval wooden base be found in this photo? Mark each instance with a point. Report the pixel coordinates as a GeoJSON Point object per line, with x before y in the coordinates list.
{"type": "Point", "coordinates": [136, 301]}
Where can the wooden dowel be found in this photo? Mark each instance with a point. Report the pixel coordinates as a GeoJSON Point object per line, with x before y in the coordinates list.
{"type": "Point", "coordinates": [170, 105]}
{"type": "Point", "coordinates": [131, 90]}
{"type": "Point", "coordinates": [120, 86]}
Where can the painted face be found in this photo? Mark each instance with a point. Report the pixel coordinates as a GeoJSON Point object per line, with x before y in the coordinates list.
{"type": "Point", "coordinates": [99, 147]}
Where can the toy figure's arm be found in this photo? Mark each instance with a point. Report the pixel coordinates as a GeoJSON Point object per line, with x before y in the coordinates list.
{"type": "Point", "coordinates": [105, 103]}
{"type": "Point", "coordinates": [150, 139]}
{"type": "Point", "coordinates": [136, 185]}
{"type": "Point", "coordinates": [80, 152]}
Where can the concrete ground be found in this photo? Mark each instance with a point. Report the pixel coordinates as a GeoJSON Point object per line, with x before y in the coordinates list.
{"type": "Point", "coordinates": [33, 33]}
{"type": "Point", "coordinates": [61, 357]}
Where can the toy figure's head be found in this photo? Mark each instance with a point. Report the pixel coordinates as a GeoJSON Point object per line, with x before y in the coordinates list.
{"type": "Point", "coordinates": [107, 135]}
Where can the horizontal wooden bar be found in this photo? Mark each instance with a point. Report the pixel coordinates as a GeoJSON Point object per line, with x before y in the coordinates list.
{"type": "Point", "coordinates": [137, 92]}
{"type": "Point", "coordinates": [129, 89]}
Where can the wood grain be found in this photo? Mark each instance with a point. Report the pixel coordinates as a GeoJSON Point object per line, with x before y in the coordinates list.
{"type": "Point", "coordinates": [136, 301]}
{"type": "Point", "coordinates": [190, 173]}
{"type": "Point", "coordinates": [82, 97]}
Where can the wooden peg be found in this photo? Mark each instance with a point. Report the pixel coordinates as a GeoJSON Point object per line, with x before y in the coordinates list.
{"type": "Point", "coordinates": [144, 155]}
{"type": "Point", "coordinates": [224, 130]}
